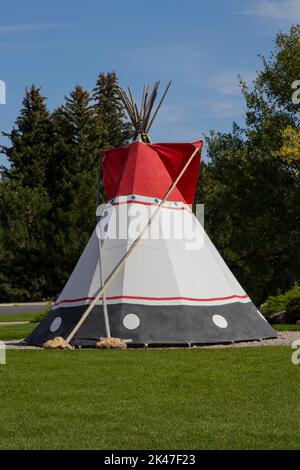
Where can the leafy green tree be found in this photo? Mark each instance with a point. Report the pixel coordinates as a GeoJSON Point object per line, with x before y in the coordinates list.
{"type": "Point", "coordinates": [110, 111]}
{"type": "Point", "coordinates": [253, 194]}
{"type": "Point", "coordinates": [290, 150]}
{"type": "Point", "coordinates": [270, 105]}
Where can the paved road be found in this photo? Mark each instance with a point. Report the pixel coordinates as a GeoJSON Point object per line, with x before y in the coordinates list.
{"type": "Point", "coordinates": [22, 308]}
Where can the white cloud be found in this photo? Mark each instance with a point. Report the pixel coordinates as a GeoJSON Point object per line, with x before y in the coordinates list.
{"type": "Point", "coordinates": [221, 108]}
{"type": "Point", "coordinates": [28, 28]}
{"type": "Point", "coordinates": [278, 9]}
{"type": "Point", "coordinates": [225, 82]}
{"type": "Point", "coordinates": [170, 114]}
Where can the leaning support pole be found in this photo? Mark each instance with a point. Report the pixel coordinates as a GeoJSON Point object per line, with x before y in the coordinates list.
{"type": "Point", "coordinates": [104, 303]}
{"type": "Point", "coordinates": [121, 263]}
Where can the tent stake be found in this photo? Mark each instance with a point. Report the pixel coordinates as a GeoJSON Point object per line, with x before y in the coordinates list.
{"type": "Point", "coordinates": [121, 263]}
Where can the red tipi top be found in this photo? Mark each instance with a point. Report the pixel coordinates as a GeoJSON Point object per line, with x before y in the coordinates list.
{"type": "Point", "coordinates": [150, 169]}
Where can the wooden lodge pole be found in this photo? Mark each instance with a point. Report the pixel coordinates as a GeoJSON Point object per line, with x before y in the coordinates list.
{"type": "Point", "coordinates": [100, 245]}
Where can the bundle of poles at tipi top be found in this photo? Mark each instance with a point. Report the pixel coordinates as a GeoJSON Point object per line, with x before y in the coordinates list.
{"type": "Point", "coordinates": [143, 118]}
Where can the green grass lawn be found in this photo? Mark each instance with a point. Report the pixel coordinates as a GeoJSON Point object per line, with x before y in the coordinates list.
{"type": "Point", "coordinates": [150, 399]}
{"type": "Point", "coordinates": [29, 316]}
{"type": "Point", "coordinates": [282, 327]}
{"type": "Point", "coordinates": [10, 332]}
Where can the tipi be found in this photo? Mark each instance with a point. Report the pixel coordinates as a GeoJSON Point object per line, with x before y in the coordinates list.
{"type": "Point", "coordinates": [169, 287]}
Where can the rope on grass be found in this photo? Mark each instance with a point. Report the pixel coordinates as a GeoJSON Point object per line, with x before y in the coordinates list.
{"type": "Point", "coordinates": [111, 343]}
{"type": "Point", "coordinates": [57, 343]}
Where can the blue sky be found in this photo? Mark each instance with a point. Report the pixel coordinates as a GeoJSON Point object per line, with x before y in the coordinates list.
{"type": "Point", "coordinates": [201, 45]}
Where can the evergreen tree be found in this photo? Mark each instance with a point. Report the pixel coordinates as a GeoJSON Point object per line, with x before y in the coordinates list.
{"type": "Point", "coordinates": [31, 141]}
{"type": "Point", "coordinates": [25, 204]}
{"type": "Point", "coordinates": [73, 169]}
{"type": "Point", "coordinates": [48, 193]}
{"type": "Point", "coordinates": [24, 244]}
{"type": "Point", "coordinates": [110, 111]}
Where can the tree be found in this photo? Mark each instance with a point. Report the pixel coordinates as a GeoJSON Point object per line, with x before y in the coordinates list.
{"type": "Point", "coordinates": [274, 82]}
{"type": "Point", "coordinates": [25, 204]}
{"type": "Point", "coordinates": [110, 111]}
{"type": "Point", "coordinates": [31, 141]}
{"type": "Point", "coordinates": [48, 193]}
{"type": "Point", "coordinates": [79, 137]}
{"type": "Point", "coordinates": [270, 105]}
{"type": "Point", "coordinates": [290, 150]}
{"type": "Point", "coordinates": [24, 245]}
{"type": "Point", "coordinates": [253, 191]}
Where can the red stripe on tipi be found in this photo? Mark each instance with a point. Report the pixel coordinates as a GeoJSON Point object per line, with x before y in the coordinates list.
{"type": "Point", "coordinates": [134, 297]}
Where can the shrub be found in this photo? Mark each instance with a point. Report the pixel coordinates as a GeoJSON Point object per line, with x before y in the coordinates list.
{"type": "Point", "coordinates": [293, 310]}
{"type": "Point", "coordinates": [278, 303]}
{"type": "Point", "coordinates": [41, 315]}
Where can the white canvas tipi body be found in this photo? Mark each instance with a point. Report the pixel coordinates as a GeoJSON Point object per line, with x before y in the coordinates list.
{"type": "Point", "coordinates": [175, 288]}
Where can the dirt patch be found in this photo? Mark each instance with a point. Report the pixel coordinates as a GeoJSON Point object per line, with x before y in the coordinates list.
{"type": "Point", "coordinates": [285, 338]}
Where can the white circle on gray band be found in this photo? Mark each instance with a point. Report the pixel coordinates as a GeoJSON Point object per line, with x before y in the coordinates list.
{"type": "Point", "coordinates": [220, 321]}
{"type": "Point", "coordinates": [131, 321]}
{"type": "Point", "coordinates": [55, 324]}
